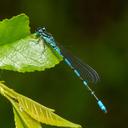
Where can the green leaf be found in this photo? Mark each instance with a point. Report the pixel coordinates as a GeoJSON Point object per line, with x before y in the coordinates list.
{"type": "Point", "coordinates": [35, 110]}
{"type": "Point", "coordinates": [18, 122]}
{"type": "Point", "coordinates": [27, 55]}
{"type": "Point", "coordinates": [42, 114]}
{"type": "Point", "coordinates": [14, 29]}
{"type": "Point", "coordinates": [21, 51]}
{"type": "Point", "coordinates": [22, 119]}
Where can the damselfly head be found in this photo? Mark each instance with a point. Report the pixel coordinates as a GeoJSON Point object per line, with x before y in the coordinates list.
{"type": "Point", "coordinates": [41, 29]}
{"type": "Point", "coordinates": [42, 32]}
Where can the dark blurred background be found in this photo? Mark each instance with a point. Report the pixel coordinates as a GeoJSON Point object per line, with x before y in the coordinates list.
{"type": "Point", "coordinates": [94, 30]}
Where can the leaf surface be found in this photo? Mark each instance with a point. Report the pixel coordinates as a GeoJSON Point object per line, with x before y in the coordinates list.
{"type": "Point", "coordinates": [22, 119]}
{"type": "Point", "coordinates": [29, 110]}
{"type": "Point", "coordinates": [22, 51]}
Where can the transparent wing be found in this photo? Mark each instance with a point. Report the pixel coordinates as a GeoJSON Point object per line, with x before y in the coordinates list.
{"type": "Point", "coordinates": [86, 72]}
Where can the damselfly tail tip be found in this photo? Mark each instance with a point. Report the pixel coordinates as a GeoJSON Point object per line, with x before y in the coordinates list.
{"type": "Point", "coordinates": [102, 106]}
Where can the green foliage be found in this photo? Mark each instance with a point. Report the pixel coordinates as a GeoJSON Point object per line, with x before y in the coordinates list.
{"type": "Point", "coordinates": [14, 29]}
{"type": "Point", "coordinates": [29, 114]}
{"type": "Point", "coordinates": [21, 51]}
{"type": "Point", "coordinates": [23, 120]}
{"type": "Point", "coordinates": [24, 52]}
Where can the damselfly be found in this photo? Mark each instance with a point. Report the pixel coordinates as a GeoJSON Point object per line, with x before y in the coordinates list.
{"type": "Point", "coordinates": [83, 71]}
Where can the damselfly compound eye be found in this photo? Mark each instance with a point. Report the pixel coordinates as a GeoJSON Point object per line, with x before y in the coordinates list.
{"type": "Point", "coordinates": [43, 28]}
